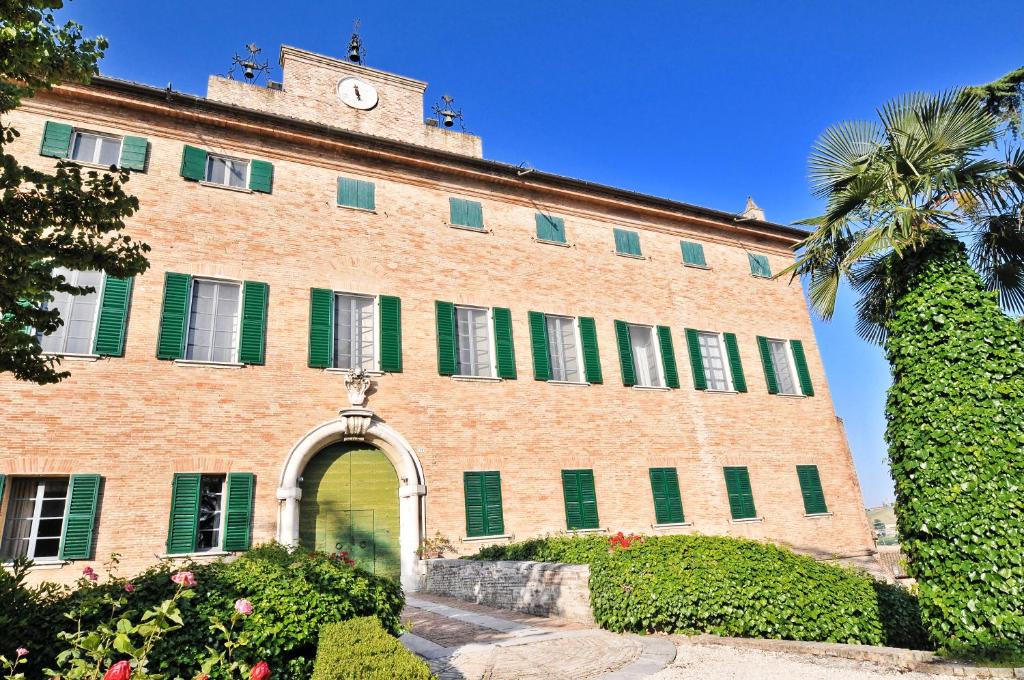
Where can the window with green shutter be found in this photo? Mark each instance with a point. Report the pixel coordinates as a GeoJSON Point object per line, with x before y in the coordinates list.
{"type": "Point", "coordinates": [484, 516]}
{"type": "Point", "coordinates": [741, 497]}
{"type": "Point", "coordinates": [504, 347]}
{"type": "Point", "coordinates": [465, 213]}
{"type": "Point", "coordinates": [759, 266]}
{"type": "Point", "coordinates": [693, 254]}
{"type": "Point", "coordinates": [356, 193]}
{"type": "Point", "coordinates": [810, 487]}
{"type": "Point", "coordinates": [550, 228]}
{"type": "Point", "coordinates": [80, 517]}
{"type": "Point", "coordinates": [580, 499]}
{"type": "Point", "coordinates": [627, 243]}
{"type": "Point", "coordinates": [668, 506]}
{"type": "Point", "coordinates": [56, 139]}
{"type": "Point", "coordinates": [219, 496]}
{"type": "Point", "coordinates": [253, 339]}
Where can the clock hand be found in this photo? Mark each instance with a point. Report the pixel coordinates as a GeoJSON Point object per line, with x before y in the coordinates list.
{"type": "Point", "coordinates": [355, 88]}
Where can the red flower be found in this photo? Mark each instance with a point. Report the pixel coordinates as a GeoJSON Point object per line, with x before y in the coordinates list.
{"type": "Point", "coordinates": [121, 670]}
{"type": "Point", "coordinates": [260, 671]}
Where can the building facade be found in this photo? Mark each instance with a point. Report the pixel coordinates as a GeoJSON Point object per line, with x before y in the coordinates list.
{"type": "Point", "coordinates": [543, 354]}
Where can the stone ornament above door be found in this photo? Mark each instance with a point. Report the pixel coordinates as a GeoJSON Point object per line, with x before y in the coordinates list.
{"type": "Point", "coordinates": [357, 382]}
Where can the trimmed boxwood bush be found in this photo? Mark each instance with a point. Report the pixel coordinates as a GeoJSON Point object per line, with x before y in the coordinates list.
{"type": "Point", "coordinates": [293, 593]}
{"type": "Point", "coordinates": [361, 649]}
{"type": "Point", "coordinates": [728, 586]}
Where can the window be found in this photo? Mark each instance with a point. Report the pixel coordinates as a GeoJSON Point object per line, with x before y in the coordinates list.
{"type": "Point", "coordinates": [474, 342]}
{"type": "Point", "coordinates": [211, 513]}
{"type": "Point", "coordinates": [810, 488]}
{"type": "Point", "coordinates": [466, 213]}
{"type": "Point", "coordinates": [229, 172]}
{"type": "Point", "coordinates": [550, 228]}
{"type": "Point", "coordinates": [759, 266]}
{"type": "Point", "coordinates": [483, 504]}
{"type": "Point", "coordinates": [693, 254]}
{"type": "Point", "coordinates": [354, 332]}
{"type": "Point", "coordinates": [89, 147]}
{"type": "Point", "coordinates": [35, 518]}
{"type": "Point", "coordinates": [355, 193]}
{"type": "Point", "coordinates": [79, 313]}
{"type": "Point", "coordinates": [715, 372]}
{"type": "Point", "coordinates": [563, 349]}
{"type": "Point", "coordinates": [741, 498]}
{"type": "Point", "coordinates": [779, 350]}
{"type": "Point", "coordinates": [580, 499]}
{"type": "Point", "coordinates": [627, 243]}
{"type": "Point", "coordinates": [668, 506]}
{"type": "Point", "coordinates": [213, 321]}
{"type": "Point", "coordinates": [644, 349]}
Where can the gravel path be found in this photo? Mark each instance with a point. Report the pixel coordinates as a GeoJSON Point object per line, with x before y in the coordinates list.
{"type": "Point", "coordinates": [715, 662]}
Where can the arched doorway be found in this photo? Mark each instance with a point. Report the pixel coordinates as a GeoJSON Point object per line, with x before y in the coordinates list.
{"type": "Point", "coordinates": [350, 504]}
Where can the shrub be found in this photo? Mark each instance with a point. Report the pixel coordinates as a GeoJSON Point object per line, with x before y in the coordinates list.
{"type": "Point", "coordinates": [728, 586]}
{"type": "Point", "coordinates": [361, 649]}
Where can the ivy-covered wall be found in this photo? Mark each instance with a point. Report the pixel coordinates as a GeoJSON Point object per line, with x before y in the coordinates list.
{"type": "Point", "coordinates": [956, 444]}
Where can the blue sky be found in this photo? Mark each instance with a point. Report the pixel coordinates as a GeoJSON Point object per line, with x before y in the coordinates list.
{"type": "Point", "coordinates": [703, 102]}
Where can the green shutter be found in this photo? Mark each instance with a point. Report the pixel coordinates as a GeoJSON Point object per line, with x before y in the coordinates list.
{"type": "Point", "coordinates": [238, 511]}
{"type": "Point", "coordinates": [80, 517]}
{"type": "Point", "coordinates": [173, 316]}
{"type": "Point", "coordinates": [261, 176]}
{"type": "Point", "coordinates": [181, 533]}
{"type": "Point", "coordinates": [759, 265]}
{"type": "Point", "coordinates": [466, 213]}
{"type": "Point", "coordinates": [693, 253]}
{"type": "Point", "coordinates": [800, 360]}
{"type": "Point", "coordinates": [580, 499]}
{"type": "Point", "coordinates": [625, 353]}
{"type": "Point", "coordinates": [591, 354]}
{"type": "Point", "coordinates": [588, 500]}
{"type": "Point", "coordinates": [3, 482]}
{"type": "Point", "coordinates": [668, 356]}
{"type": "Point", "coordinates": [56, 140]}
{"type": "Point", "coordinates": [113, 317]}
{"type": "Point", "coordinates": [447, 363]}
{"type": "Point", "coordinates": [741, 498]}
{"type": "Point", "coordinates": [627, 242]}
{"type": "Point", "coordinates": [769, 367]}
{"type": "Point", "coordinates": [321, 327]}
{"type": "Point", "coordinates": [134, 151]}
{"type": "Point", "coordinates": [367, 195]}
{"type": "Point", "coordinates": [700, 379]}
{"type": "Point", "coordinates": [484, 515]}
{"type": "Point", "coordinates": [810, 487]}
{"type": "Point", "coordinates": [668, 506]}
{"type": "Point", "coordinates": [193, 163]}
{"type": "Point", "coordinates": [390, 334]}
{"type": "Point", "coordinates": [539, 346]}
{"type": "Point", "coordinates": [356, 193]}
{"type": "Point", "coordinates": [550, 228]}
{"type": "Point", "coordinates": [732, 350]}
{"type": "Point", "coordinates": [252, 344]}
{"type": "Point", "coordinates": [504, 347]}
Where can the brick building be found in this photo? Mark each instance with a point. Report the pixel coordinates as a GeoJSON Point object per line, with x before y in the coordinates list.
{"type": "Point", "coordinates": [545, 354]}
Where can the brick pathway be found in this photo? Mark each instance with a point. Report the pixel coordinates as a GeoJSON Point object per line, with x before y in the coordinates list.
{"type": "Point", "coordinates": [466, 641]}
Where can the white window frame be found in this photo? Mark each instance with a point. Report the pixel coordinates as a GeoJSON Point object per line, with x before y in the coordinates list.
{"type": "Point", "coordinates": [376, 329]}
{"type": "Point", "coordinates": [238, 324]}
{"type": "Point", "coordinates": [76, 132]}
{"type": "Point", "coordinates": [723, 350]}
{"type": "Point", "coordinates": [580, 360]}
{"type": "Point", "coordinates": [794, 376]}
{"type": "Point", "coordinates": [196, 550]}
{"type": "Point", "coordinates": [95, 322]}
{"type": "Point", "coordinates": [657, 357]}
{"type": "Point", "coordinates": [490, 342]}
{"type": "Point", "coordinates": [36, 510]}
{"type": "Point", "coordinates": [232, 160]}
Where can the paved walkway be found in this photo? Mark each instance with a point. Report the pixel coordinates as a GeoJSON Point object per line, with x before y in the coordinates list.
{"type": "Point", "coordinates": [465, 641]}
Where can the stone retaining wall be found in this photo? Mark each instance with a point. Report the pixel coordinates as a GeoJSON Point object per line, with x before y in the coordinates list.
{"type": "Point", "coordinates": [540, 588]}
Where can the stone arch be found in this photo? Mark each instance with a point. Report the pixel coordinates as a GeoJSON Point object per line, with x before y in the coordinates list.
{"type": "Point", "coordinates": [359, 425]}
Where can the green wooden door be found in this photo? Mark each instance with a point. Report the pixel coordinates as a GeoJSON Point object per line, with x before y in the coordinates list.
{"type": "Point", "coordinates": [350, 504]}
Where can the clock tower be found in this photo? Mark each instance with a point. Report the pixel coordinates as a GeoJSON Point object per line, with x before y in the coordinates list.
{"type": "Point", "coordinates": [349, 96]}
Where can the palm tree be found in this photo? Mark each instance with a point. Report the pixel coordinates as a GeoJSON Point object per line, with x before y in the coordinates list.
{"type": "Point", "coordinates": [923, 218]}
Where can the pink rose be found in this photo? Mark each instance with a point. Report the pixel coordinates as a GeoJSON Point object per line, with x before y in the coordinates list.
{"type": "Point", "coordinates": [260, 671]}
{"type": "Point", "coordinates": [90, 574]}
{"type": "Point", "coordinates": [121, 670]}
{"type": "Point", "coordinates": [184, 578]}
{"type": "Point", "coordinates": [243, 607]}
{"type": "Point", "coordinates": [129, 588]}
{"type": "Point", "coordinates": [21, 651]}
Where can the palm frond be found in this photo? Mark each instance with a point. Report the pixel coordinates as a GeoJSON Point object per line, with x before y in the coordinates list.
{"type": "Point", "coordinates": [841, 154]}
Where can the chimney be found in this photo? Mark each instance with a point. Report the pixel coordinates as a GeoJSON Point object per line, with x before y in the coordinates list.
{"type": "Point", "coordinates": [752, 211]}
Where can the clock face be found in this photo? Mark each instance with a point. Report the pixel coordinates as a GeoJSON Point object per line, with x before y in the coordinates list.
{"type": "Point", "coordinates": [357, 93]}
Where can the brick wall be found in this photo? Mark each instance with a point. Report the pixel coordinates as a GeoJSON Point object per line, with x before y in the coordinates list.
{"type": "Point", "coordinates": [540, 588]}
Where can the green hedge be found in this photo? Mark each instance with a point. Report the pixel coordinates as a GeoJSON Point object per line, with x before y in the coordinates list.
{"type": "Point", "coordinates": [728, 586]}
{"type": "Point", "coordinates": [293, 593]}
{"type": "Point", "coordinates": [361, 649]}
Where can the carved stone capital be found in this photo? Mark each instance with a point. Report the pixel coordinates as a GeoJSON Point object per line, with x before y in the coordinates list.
{"type": "Point", "coordinates": [356, 422]}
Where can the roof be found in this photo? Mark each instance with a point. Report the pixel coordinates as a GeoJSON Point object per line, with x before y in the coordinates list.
{"type": "Point", "coordinates": [171, 97]}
